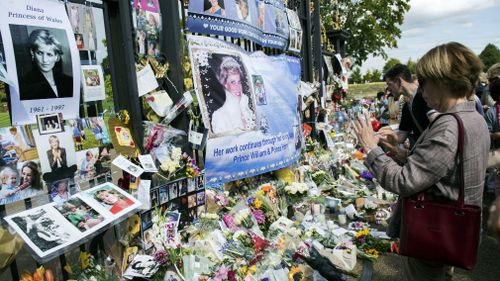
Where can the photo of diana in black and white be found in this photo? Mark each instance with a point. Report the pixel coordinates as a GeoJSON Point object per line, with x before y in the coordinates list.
{"type": "Point", "coordinates": [42, 229]}
{"type": "Point", "coordinates": [43, 58]}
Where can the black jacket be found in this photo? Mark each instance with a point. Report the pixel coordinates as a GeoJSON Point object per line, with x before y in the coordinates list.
{"type": "Point", "coordinates": [34, 86]}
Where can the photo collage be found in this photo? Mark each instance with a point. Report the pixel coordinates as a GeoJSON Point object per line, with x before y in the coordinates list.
{"type": "Point", "coordinates": [185, 197]}
{"type": "Point", "coordinates": [55, 226]}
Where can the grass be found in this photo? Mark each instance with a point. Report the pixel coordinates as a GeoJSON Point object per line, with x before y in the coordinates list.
{"type": "Point", "coordinates": [368, 90]}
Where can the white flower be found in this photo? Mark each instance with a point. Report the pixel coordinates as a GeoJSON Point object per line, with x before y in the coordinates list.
{"type": "Point", "coordinates": [176, 154]}
{"type": "Point", "coordinates": [238, 233]}
{"type": "Point", "coordinates": [92, 278]}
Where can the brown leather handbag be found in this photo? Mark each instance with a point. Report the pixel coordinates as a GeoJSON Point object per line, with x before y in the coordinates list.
{"type": "Point", "coordinates": [442, 232]}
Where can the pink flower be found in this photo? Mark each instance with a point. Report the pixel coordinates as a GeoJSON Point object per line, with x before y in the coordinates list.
{"type": "Point", "coordinates": [221, 274]}
{"type": "Point", "coordinates": [259, 216]}
{"type": "Point", "coordinates": [229, 221]}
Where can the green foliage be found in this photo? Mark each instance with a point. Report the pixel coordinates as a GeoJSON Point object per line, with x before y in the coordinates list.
{"type": "Point", "coordinates": [368, 90]}
{"type": "Point", "coordinates": [376, 76]}
{"type": "Point", "coordinates": [368, 76]}
{"type": "Point", "coordinates": [490, 55]}
{"type": "Point", "coordinates": [389, 64]}
{"type": "Point", "coordinates": [373, 24]}
{"type": "Point", "coordinates": [356, 77]}
{"type": "Point", "coordinates": [411, 65]}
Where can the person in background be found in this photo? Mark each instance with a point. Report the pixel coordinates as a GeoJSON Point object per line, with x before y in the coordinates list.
{"type": "Point", "coordinates": [415, 112]}
{"type": "Point", "coordinates": [242, 10]}
{"type": "Point", "coordinates": [492, 74]}
{"type": "Point", "coordinates": [493, 123]}
{"type": "Point", "coordinates": [46, 79]}
{"type": "Point", "coordinates": [87, 165]}
{"type": "Point", "coordinates": [447, 76]}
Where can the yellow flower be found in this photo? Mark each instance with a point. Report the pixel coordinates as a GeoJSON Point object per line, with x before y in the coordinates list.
{"type": "Point", "coordinates": [244, 269]}
{"type": "Point", "coordinates": [372, 252]}
{"type": "Point", "coordinates": [260, 192]}
{"type": "Point", "coordinates": [257, 203]}
{"type": "Point", "coordinates": [84, 258]}
{"type": "Point", "coordinates": [293, 273]}
{"type": "Point", "coordinates": [363, 232]}
{"type": "Point", "coordinates": [68, 269]}
{"type": "Point", "coordinates": [188, 83]}
{"type": "Point", "coordinates": [251, 270]}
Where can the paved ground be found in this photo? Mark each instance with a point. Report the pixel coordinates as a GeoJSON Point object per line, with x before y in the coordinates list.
{"type": "Point", "coordinates": [387, 268]}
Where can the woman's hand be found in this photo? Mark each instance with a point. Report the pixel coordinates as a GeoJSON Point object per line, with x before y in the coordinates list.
{"type": "Point", "coordinates": [364, 131]}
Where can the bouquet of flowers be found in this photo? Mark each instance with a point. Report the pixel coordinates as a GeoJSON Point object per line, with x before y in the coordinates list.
{"type": "Point", "coordinates": [243, 218]}
{"type": "Point", "coordinates": [208, 222]}
{"type": "Point", "coordinates": [88, 270]}
{"type": "Point", "coordinates": [370, 245]}
{"type": "Point", "coordinates": [295, 192]}
{"type": "Point", "coordinates": [370, 207]}
{"type": "Point", "coordinates": [40, 274]}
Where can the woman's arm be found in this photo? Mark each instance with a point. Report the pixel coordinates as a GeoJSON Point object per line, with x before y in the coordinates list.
{"type": "Point", "coordinates": [431, 160]}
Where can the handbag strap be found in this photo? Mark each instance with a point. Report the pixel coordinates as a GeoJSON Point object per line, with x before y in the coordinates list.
{"type": "Point", "coordinates": [461, 179]}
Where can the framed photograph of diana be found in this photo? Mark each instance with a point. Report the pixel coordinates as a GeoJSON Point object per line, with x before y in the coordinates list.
{"type": "Point", "coordinates": [42, 59]}
{"type": "Point", "coordinates": [225, 93]}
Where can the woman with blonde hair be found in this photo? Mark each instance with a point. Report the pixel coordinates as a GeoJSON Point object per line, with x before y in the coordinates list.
{"type": "Point", "coordinates": [447, 75]}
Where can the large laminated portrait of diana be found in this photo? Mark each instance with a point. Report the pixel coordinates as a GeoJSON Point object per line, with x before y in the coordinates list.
{"type": "Point", "coordinates": [44, 66]}
{"type": "Point", "coordinates": [224, 92]}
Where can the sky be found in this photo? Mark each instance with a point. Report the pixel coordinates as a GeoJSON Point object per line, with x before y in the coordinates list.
{"type": "Point", "coordinates": [429, 23]}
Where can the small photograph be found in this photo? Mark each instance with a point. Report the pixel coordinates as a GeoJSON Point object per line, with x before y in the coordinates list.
{"type": "Point", "coordinates": [86, 160]}
{"type": "Point", "coordinates": [191, 183]}
{"type": "Point", "coordinates": [174, 205]}
{"type": "Point", "coordinates": [143, 266]}
{"type": "Point", "coordinates": [148, 239]}
{"type": "Point", "coordinates": [280, 21]}
{"type": "Point", "coordinates": [293, 40]}
{"type": "Point", "coordinates": [299, 41]}
{"type": "Point", "coordinates": [18, 184]}
{"type": "Point", "coordinates": [57, 153]}
{"type": "Point", "coordinates": [62, 190]}
{"type": "Point", "coordinates": [200, 198]}
{"type": "Point", "coordinates": [173, 190]}
{"type": "Point", "coordinates": [154, 197]}
{"type": "Point", "coordinates": [191, 201]}
{"type": "Point", "coordinates": [184, 202]}
{"type": "Point", "coordinates": [259, 90]}
{"type": "Point", "coordinates": [89, 133]}
{"type": "Point", "coordinates": [91, 77]}
{"type": "Point", "coordinates": [183, 189]}
{"type": "Point", "coordinates": [79, 214]}
{"type": "Point", "coordinates": [80, 44]}
{"type": "Point", "coordinates": [128, 256]}
{"type": "Point", "coordinates": [17, 144]}
{"type": "Point", "coordinates": [112, 198]}
{"type": "Point", "coordinates": [50, 123]}
{"type": "Point", "coordinates": [163, 194]}
{"type": "Point", "coordinates": [192, 214]}
{"type": "Point", "coordinates": [124, 136]}
{"type": "Point", "coordinates": [201, 182]}
{"type": "Point", "coordinates": [146, 220]}
{"type": "Point", "coordinates": [41, 229]}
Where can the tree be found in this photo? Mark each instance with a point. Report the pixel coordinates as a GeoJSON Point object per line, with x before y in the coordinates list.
{"type": "Point", "coordinates": [376, 76]}
{"type": "Point", "coordinates": [356, 76]}
{"type": "Point", "coordinates": [368, 76]}
{"type": "Point", "coordinates": [390, 64]}
{"type": "Point", "coordinates": [373, 24]}
{"type": "Point", "coordinates": [490, 55]}
{"type": "Point", "coordinates": [411, 65]}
